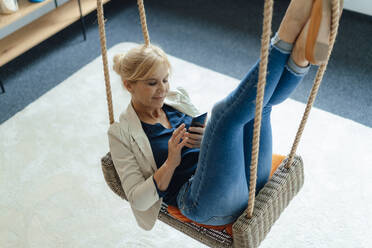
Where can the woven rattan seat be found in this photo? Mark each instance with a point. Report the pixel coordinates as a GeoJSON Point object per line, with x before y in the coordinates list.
{"type": "Point", "coordinates": [269, 203]}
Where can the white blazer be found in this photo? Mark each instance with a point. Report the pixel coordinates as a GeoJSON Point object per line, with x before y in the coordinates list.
{"type": "Point", "coordinates": [134, 161]}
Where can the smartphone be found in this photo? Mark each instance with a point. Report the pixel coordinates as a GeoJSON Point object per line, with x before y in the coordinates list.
{"type": "Point", "coordinates": [198, 121]}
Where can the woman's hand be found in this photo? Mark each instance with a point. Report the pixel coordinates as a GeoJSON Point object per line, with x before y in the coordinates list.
{"type": "Point", "coordinates": [175, 146]}
{"type": "Point", "coordinates": [195, 138]}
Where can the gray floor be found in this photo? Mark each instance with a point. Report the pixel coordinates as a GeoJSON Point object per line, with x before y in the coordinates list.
{"type": "Point", "coordinates": [220, 35]}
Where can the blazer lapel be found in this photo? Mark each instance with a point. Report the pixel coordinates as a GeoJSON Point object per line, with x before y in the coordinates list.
{"type": "Point", "coordinates": [139, 135]}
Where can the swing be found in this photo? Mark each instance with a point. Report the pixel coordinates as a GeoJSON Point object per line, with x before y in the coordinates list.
{"type": "Point", "coordinates": [265, 208]}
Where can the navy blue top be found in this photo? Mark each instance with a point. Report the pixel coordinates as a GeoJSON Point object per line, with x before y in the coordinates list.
{"type": "Point", "coordinates": [159, 136]}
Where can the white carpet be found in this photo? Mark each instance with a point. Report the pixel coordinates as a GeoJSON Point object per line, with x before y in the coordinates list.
{"type": "Point", "coordinates": [53, 193]}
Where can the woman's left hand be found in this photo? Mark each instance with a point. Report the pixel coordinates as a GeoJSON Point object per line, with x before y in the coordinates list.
{"type": "Point", "coordinates": [195, 138]}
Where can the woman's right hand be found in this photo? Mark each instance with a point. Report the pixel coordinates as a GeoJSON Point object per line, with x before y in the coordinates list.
{"type": "Point", "coordinates": [175, 146]}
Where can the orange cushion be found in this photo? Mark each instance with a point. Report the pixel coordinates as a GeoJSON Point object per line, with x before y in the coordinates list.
{"type": "Point", "coordinates": [276, 161]}
{"type": "Point", "coordinates": [176, 213]}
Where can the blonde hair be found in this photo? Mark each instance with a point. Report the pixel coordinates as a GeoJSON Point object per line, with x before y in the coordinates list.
{"type": "Point", "coordinates": [139, 62]}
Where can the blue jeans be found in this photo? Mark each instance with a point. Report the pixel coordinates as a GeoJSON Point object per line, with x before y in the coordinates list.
{"type": "Point", "coordinates": [217, 194]}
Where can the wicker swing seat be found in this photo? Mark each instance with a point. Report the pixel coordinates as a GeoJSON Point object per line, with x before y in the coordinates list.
{"type": "Point", "coordinates": [247, 232]}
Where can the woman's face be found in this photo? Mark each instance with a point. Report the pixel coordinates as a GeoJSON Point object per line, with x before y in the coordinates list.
{"type": "Point", "coordinates": [150, 93]}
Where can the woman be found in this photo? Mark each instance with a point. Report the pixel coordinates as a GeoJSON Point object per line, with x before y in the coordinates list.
{"type": "Point", "coordinates": [206, 173]}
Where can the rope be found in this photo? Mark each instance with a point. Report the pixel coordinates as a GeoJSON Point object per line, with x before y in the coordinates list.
{"type": "Point", "coordinates": [102, 36]}
{"type": "Point", "coordinates": [265, 44]}
{"type": "Point", "coordinates": [318, 79]}
{"type": "Point", "coordinates": [145, 31]}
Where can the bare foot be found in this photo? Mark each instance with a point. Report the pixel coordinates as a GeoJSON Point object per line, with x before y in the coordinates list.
{"type": "Point", "coordinates": [294, 20]}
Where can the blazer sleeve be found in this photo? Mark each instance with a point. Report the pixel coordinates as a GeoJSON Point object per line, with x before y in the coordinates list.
{"type": "Point", "coordinates": [160, 193]}
{"type": "Point", "coordinates": [140, 191]}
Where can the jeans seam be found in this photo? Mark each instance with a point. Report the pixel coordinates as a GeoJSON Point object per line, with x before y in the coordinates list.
{"type": "Point", "coordinates": [239, 96]}
{"type": "Point", "coordinates": [182, 201]}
